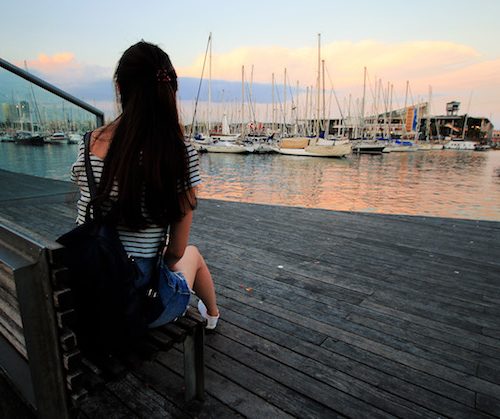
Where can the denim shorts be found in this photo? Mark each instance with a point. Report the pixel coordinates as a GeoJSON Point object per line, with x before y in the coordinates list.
{"type": "Point", "coordinates": [173, 288]}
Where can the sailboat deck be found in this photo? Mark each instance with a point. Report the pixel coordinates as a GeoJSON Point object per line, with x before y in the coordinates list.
{"type": "Point", "coordinates": [323, 313]}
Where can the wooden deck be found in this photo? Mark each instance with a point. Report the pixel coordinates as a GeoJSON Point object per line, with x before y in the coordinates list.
{"type": "Point", "coordinates": [323, 313]}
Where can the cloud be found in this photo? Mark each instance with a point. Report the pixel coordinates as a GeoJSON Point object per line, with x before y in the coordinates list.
{"type": "Point", "coordinates": [452, 69]}
{"type": "Point", "coordinates": [344, 59]}
{"type": "Point", "coordinates": [65, 71]}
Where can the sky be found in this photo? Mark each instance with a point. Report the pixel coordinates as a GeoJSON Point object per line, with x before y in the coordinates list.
{"type": "Point", "coordinates": [448, 47]}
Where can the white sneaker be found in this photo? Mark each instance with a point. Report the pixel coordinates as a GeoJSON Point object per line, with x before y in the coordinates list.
{"type": "Point", "coordinates": [211, 320]}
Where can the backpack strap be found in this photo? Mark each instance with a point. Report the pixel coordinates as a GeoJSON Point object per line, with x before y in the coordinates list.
{"type": "Point", "coordinates": [90, 179]}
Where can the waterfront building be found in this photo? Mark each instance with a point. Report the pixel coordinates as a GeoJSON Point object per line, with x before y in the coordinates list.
{"type": "Point", "coordinates": [414, 122]}
{"type": "Point", "coordinates": [495, 138]}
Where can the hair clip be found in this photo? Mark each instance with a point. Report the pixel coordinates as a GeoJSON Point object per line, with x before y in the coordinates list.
{"type": "Point", "coordinates": [162, 76]}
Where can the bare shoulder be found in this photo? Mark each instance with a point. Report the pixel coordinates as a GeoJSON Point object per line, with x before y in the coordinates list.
{"type": "Point", "coordinates": [100, 140]}
{"type": "Point", "coordinates": [103, 133]}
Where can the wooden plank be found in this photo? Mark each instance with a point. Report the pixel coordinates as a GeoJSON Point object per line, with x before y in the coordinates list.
{"type": "Point", "coordinates": [16, 368]}
{"type": "Point", "coordinates": [142, 400]}
{"type": "Point", "coordinates": [6, 279]}
{"type": "Point", "coordinates": [447, 358]}
{"type": "Point", "coordinates": [13, 336]}
{"type": "Point", "coordinates": [326, 374]}
{"type": "Point", "coordinates": [434, 324]}
{"type": "Point", "coordinates": [488, 404]}
{"type": "Point", "coordinates": [432, 368]}
{"type": "Point", "coordinates": [371, 299]}
{"type": "Point", "coordinates": [9, 307]}
{"type": "Point", "coordinates": [251, 395]}
{"type": "Point", "coordinates": [104, 404]}
{"type": "Point", "coordinates": [194, 364]}
{"type": "Point", "coordinates": [11, 406]}
{"type": "Point", "coordinates": [42, 341]}
{"type": "Point", "coordinates": [300, 387]}
{"type": "Point", "coordinates": [170, 385]}
{"type": "Point", "coordinates": [365, 374]}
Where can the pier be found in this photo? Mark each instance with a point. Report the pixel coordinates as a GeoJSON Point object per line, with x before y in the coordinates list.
{"type": "Point", "coordinates": [323, 313]}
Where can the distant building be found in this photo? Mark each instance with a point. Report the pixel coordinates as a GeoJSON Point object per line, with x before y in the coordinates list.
{"type": "Point", "coordinates": [495, 138]}
{"type": "Point", "coordinates": [414, 122]}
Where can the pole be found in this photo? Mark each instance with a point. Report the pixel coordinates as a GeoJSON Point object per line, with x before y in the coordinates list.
{"type": "Point", "coordinates": [318, 83]}
{"type": "Point", "coordinates": [363, 105]}
{"type": "Point", "coordinates": [209, 82]}
{"type": "Point", "coordinates": [284, 103]}
{"type": "Point", "coordinates": [406, 106]}
{"type": "Point", "coordinates": [242, 102]}
{"type": "Point", "coordinates": [324, 105]}
{"type": "Point", "coordinates": [274, 109]}
{"type": "Point", "coordinates": [390, 110]}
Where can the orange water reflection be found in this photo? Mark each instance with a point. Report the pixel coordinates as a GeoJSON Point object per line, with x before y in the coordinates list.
{"type": "Point", "coordinates": [435, 183]}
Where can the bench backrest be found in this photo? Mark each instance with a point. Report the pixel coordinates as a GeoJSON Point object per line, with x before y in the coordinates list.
{"type": "Point", "coordinates": [37, 350]}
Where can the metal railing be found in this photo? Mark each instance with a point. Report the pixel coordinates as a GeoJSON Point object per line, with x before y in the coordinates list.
{"type": "Point", "coordinates": [53, 89]}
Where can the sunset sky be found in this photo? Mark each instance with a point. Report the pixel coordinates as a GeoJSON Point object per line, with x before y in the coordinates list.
{"type": "Point", "coordinates": [450, 45]}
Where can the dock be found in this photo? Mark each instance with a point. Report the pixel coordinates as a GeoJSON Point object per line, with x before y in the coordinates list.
{"type": "Point", "coordinates": [323, 313]}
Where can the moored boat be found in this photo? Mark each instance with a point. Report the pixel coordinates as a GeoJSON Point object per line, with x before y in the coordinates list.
{"type": "Point", "coordinates": [57, 138]}
{"type": "Point", "coordinates": [223, 146]}
{"type": "Point", "coordinates": [368, 146]}
{"type": "Point", "coordinates": [425, 146]}
{"type": "Point", "coordinates": [28, 138]}
{"type": "Point", "coordinates": [74, 138]}
{"type": "Point", "coordinates": [400, 146]}
{"type": "Point", "coordinates": [7, 138]}
{"type": "Point", "coordinates": [313, 147]}
{"type": "Point", "coordinates": [460, 144]}
{"type": "Point", "coordinates": [481, 147]}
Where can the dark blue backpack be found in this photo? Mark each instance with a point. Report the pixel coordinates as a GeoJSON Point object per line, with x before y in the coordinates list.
{"type": "Point", "coordinates": [111, 313]}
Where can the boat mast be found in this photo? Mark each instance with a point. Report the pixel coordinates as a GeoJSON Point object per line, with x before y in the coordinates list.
{"type": "Point", "coordinates": [390, 111]}
{"type": "Point", "coordinates": [284, 103]}
{"type": "Point", "coordinates": [406, 106]}
{"type": "Point", "coordinates": [297, 109]}
{"type": "Point", "coordinates": [466, 117]}
{"type": "Point", "coordinates": [242, 102]}
{"type": "Point", "coordinates": [274, 109]}
{"type": "Point", "coordinates": [349, 116]}
{"type": "Point", "coordinates": [318, 84]}
{"type": "Point", "coordinates": [306, 112]}
{"type": "Point", "coordinates": [253, 111]}
{"type": "Point", "coordinates": [209, 81]}
{"type": "Point", "coordinates": [428, 124]}
{"type": "Point", "coordinates": [324, 104]}
{"type": "Point", "coordinates": [362, 124]}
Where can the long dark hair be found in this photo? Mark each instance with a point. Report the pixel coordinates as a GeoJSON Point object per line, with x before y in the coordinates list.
{"type": "Point", "coordinates": [147, 157]}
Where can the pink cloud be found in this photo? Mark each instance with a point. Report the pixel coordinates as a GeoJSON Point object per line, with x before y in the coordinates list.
{"type": "Point", "coordinates": [63, 69]}
{"type": "Point", "coordinates": [452, 69]}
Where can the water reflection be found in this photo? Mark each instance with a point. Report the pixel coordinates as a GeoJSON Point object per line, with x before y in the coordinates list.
{"type": "Point", "coordinates": [438, 183]}
{"type": "Point", "coordinates": [51, 160]}
{"type": "Point", "coordinates": [444, 183]}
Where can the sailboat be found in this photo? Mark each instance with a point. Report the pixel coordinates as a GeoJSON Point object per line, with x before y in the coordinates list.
{"type": "Point", "coordinates": [367, 145]}
{"type": "Point", "coordinates": [315, 146]}
{"type": "Point", "coordinates": [223, 142]}
{"type": "Point", "coordinates": [428, 144]}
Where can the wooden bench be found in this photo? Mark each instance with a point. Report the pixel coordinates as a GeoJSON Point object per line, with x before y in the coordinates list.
{"type": "Point", "coordinates": [39, 353]}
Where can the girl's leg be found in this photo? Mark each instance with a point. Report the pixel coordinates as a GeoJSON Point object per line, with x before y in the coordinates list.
{"type": "Point", "coordinates": [195, 270]}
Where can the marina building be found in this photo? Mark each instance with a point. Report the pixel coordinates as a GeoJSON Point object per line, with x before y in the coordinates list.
{"type": "Point", "coordinates": [415, 122]}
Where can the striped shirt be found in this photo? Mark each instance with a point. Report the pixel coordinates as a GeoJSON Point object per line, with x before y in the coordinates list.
{"type": "Point", "coordinates": [137, 243]}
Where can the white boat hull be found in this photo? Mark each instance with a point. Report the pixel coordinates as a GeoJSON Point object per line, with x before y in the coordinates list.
{"type": "Point", "coordinates": [427, 147]}
{"type": "Point", "coordinates": [460, 145]}
{"type": "Point", "coordinates": [399, 149]}
{"type": "Point", "coordinates": [339, 150]}
{"type": "Point", "coordinates": [229, 148]}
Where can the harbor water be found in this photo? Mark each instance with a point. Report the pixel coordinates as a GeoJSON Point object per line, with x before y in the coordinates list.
{"type": "Point", "coordinates": [444, 183]}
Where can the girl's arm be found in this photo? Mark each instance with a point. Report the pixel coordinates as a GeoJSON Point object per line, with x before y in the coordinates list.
{"type": "Point", "coordinates": [179, 231]}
